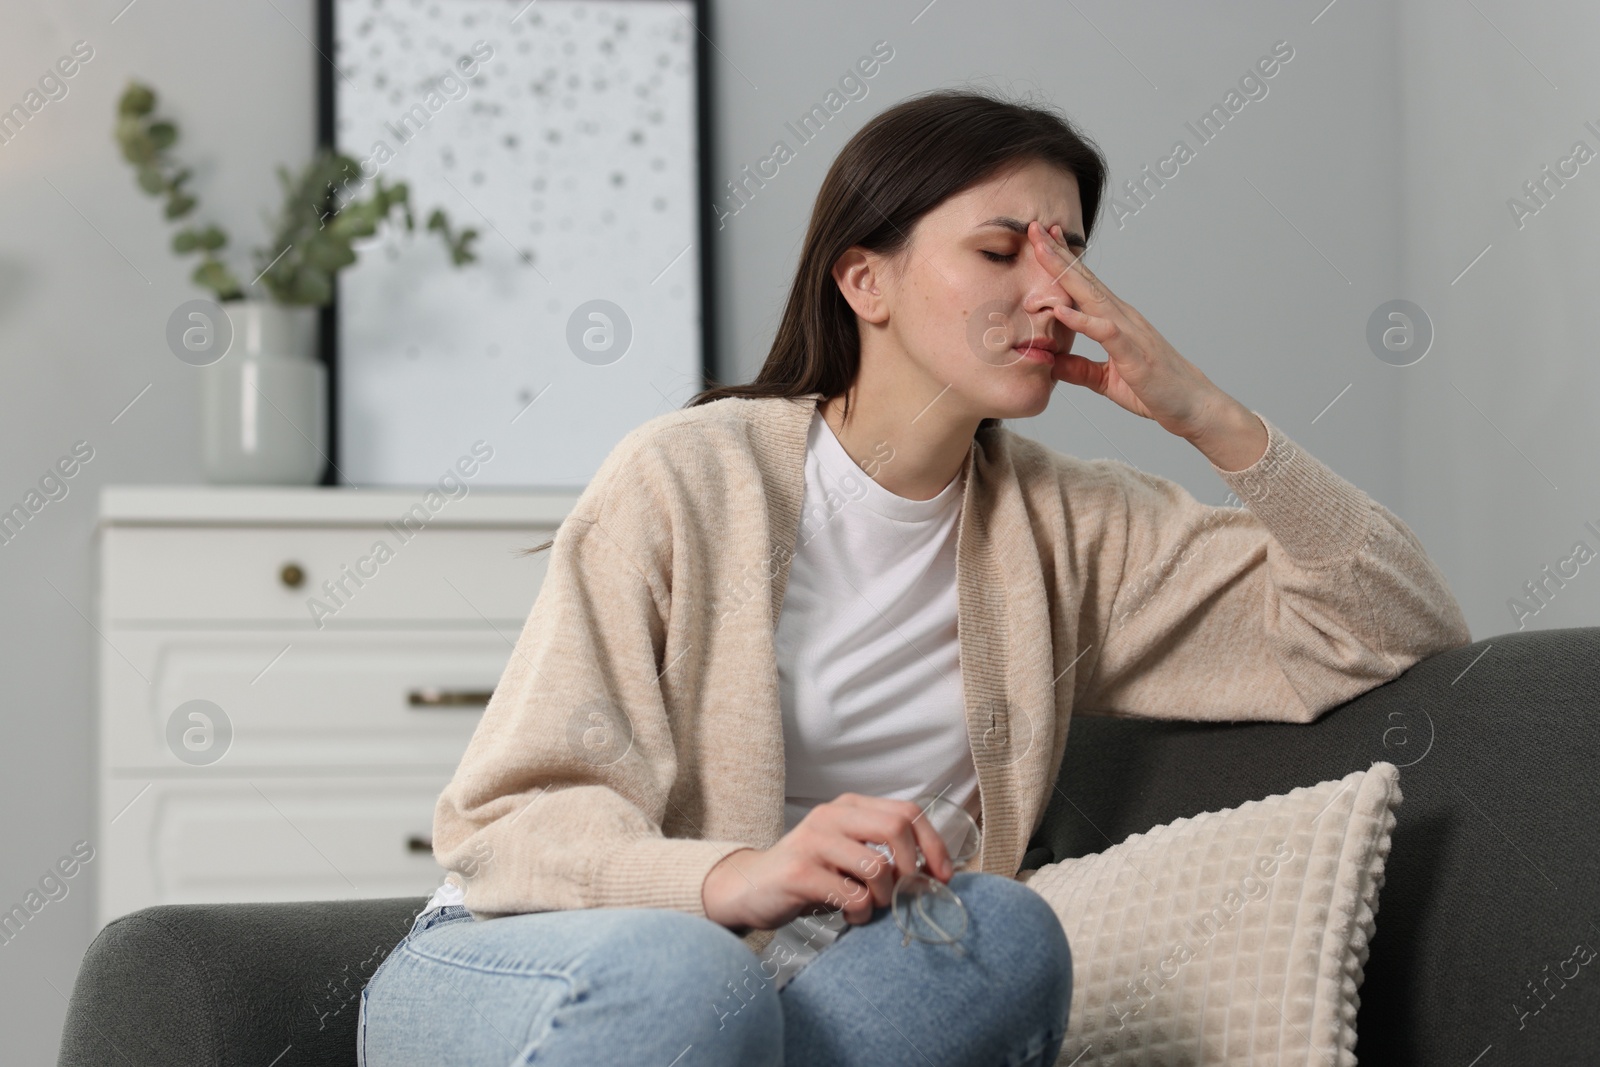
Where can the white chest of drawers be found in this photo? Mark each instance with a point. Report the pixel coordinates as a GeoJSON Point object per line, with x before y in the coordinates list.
{"type": "Point", "coordinates": [287, 678]}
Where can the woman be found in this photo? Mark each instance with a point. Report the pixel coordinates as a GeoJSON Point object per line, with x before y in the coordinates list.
{"type": "Point", "coordinates": [777, 616]}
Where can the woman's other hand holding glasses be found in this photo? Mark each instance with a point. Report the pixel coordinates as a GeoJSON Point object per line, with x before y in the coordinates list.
{"type": "Point", "coordinates": [825, 864]}
{"type": "Point", "coordinates": [852, 854]}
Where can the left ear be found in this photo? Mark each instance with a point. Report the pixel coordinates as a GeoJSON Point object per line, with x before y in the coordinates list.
{"type": "Point", "coordinates": [859, 275]}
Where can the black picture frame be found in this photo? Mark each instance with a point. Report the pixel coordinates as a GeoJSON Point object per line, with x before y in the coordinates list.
{"type": "Point", "coordinates": [327, 125]}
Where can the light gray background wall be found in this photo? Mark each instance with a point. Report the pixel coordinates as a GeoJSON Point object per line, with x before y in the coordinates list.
{"type": "Point", "coordinates": [1498, 435]}
{"type": "Point", "coordinates": [1378, 166]}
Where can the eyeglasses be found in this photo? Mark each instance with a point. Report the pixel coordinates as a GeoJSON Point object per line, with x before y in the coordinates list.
{"type": "Point", "coordinates": [924, 907]}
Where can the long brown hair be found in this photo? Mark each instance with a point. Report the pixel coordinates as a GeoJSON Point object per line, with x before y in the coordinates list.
{"type": "Point", "coordinates": [902, 164]}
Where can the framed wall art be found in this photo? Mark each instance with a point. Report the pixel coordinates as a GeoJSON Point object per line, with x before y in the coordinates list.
{"type": "Point", "coordinates": [571, 134]}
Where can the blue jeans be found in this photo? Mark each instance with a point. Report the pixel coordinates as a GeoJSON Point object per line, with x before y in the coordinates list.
{"type": "Point", "coordinates": [664, 988]}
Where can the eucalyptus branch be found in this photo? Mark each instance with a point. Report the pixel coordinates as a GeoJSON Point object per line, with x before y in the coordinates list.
{"type": "Point", "coordinates": [145, 141]}
{"type": "Point", "coordinates": [313, 232]}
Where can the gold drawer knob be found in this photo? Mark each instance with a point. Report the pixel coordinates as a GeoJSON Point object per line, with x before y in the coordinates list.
{"type": "Point", "coordinates": [292, 576]}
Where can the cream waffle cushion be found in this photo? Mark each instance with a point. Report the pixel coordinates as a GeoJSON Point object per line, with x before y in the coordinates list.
{"type": "Point", "coordinates": [1233, 937]}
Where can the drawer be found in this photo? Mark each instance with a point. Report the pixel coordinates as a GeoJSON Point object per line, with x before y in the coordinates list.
{"type": "Point", "coordinates": [355, 575]}
{"type": "Point", "coordinates": [317, 701]}
{"type": "Point", "coordinates": [265, 839]}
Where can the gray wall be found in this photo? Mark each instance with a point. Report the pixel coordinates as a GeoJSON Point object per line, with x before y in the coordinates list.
{"type": "Point", "coordinates": [1499, 436]}
{"type": "Point", "coordinates": [86, 284]}
{"type": "Point", "coordinates": [1377, 166]}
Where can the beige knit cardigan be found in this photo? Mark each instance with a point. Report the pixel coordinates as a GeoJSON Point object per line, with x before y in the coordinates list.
{"type": "Point", "coordinates": [635, 737]}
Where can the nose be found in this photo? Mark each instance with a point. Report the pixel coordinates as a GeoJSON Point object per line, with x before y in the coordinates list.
{"type": "Point", "coordinates": [1045, 290]}
{"type": "Point", "coordinates": [1044, 297]}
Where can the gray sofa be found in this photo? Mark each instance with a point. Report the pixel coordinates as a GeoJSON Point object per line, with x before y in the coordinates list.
{"type": "Point", "coordinates": [1489, 888]}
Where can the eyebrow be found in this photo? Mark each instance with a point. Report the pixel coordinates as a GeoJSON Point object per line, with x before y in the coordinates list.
{"type": "Point", "coordinates": [1006, 222]}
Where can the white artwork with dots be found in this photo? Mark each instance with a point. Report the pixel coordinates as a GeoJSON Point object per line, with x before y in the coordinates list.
{"type": "Point", "coordinates": [566, 134]}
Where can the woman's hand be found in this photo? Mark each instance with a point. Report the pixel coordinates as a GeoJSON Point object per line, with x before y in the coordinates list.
{"type": "Point", "coordinates": [825, 864]}
{"type": "Point", "coordinates": [1144, 373]}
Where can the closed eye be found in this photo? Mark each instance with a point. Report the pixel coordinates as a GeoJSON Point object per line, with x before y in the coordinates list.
{"type": "Point", "coordinates": [996, 257]}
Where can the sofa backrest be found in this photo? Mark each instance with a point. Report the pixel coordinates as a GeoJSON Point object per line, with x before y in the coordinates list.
{"type": "Point", "coordinates": [1489, 886]}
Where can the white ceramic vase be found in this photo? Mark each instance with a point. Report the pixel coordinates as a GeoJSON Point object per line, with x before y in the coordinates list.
{"type": "Point", "coordinates": [264, 405]}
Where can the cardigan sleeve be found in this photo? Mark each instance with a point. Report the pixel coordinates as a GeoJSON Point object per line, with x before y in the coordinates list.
{"type": "Point", "coordinates": [1308, 595]}
{"type": "Point", "coordinates": [559, 799]}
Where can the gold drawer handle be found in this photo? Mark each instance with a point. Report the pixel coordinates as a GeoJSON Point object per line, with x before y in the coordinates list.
{"type": "Point", "coordinates": [418, 843]}
{"type": "Point", "coordinates": [449, 698]}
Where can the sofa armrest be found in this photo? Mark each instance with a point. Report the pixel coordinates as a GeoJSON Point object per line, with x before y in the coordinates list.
{"type": "Point", "coordinates": [1489, 886]}
{"type": "Point", "coordinates": [197, 985]}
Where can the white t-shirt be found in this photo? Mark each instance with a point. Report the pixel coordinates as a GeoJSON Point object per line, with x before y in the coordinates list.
{"type": "Point", "coordinates": [869, 668]}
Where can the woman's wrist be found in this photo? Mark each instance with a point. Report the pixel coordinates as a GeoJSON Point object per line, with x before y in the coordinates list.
{"type": "Point", "coordinates": [720, 889]}
{"type": "Point", "coordinates": [1234, 439]}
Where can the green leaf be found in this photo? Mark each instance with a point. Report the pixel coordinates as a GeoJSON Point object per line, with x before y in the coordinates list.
{"type": "Point", "coordinates": [212, 238]}
{"type": "Point", "coordinates": [340, 169]}
{"type": "Point", "coordinates": [136, 147]}
{"type": "Point", "coordinates": [313, 286]}
{"type": "Point", "coordinates": [329, 254]}
{"type": "Point", "coordinates": [185, 240]}
{"type": "Point", "coordinates": [163, 135]}
{"type": "Point", "coordinates": [354, 221]}
{"type": "Point", "coordinates": [152, 181]}
{"type": "Point", "coordinates": [179, 205]}
{"type": "Point", "coordinates": [128, 128]}
{"type": "Point", "coordinates": [136, 100]}
{"type": "Point", "coordinates": [214, 275]}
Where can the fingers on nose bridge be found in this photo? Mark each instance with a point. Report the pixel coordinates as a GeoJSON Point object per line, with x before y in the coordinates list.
{"type": "Point", "coordinates": [1046, 281]}
{"type": "Point", "coordinates": [1047, 288]}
